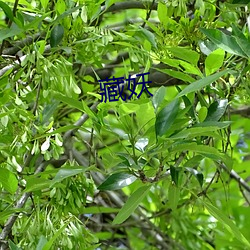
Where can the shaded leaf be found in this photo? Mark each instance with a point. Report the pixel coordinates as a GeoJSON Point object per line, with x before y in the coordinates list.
{"type": "Point", "coordinates": [7, 10]}
{"type": "Point", "coordinates": [41, 243]}
{"type": "Point", "coordinates": [174, 172]}
{"type": "Point", "coordinates": [198, 175]}
{"type": "Point", "coordinates": [158, 97]}
{"type": "Point", "coordinates": [98, 210]}
{"type": "Point", "coordinates": [223, 41]}
{"type": "Point", "coordinates": [166, 117]}
{"type": "Point", "coordinates": [245, 2]}
{"type": "Point", "coordinates": [56, 35]}
{"type": "Point", "coordinates": [49, 244]}
{"type": "Point", "coordinates": [13, 246]}
{"type": "Point", "coordinates": [34, 183]}
{"type": "Point", "coordinates": [132, 203]}
{"type": "Point", "coordinates": [216, 110]}
{"type": "Point", "coordinates": [64, 173]}
{"type": "Point", "coordinates": [117, 181]}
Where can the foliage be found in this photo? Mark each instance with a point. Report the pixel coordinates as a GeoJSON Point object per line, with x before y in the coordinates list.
{"type": "Point", "coordinates": [163, 172]}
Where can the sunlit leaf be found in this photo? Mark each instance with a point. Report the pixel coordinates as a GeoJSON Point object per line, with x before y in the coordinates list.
{"type": "Point", "coordinates": [216, 110]}
{"type": "Point", "coordinates": [198, 85]}
{"type": "Point", "coordinates": [223, 41]}
{"type": "Point", "coordinates": [66, 172]}
{"type": "Point", "coordinates": [117, 181]}
{"type": "Point", "coordinates": [8, 180]}
{"type": "Point", "coordinates": [131, 204]}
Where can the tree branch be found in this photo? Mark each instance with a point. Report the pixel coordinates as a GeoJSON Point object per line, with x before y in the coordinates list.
{"type": "Point", "coordinates": [236, 177]}
{"type": "Point", "coordinates": [20, 203]}
{"type": "Point", "coordinates": [129, 5]}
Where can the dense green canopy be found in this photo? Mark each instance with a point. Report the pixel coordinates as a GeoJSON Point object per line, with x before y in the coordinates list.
{"type": "Point", "coordinates": [124, 124]}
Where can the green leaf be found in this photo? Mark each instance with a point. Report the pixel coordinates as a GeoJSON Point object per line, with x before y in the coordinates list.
{"type": "Point", "coordinates": [198, 175]}
{"type": "Point", "coordinates": [9, 32]}
{"type": "Point", "coordinates": [56, 35]}
{"type": "Point", "coordinates": [128, 108]}
{"type": "Point", "coordinates": [8, 180]}
{"type": "Point", "coordinates": [132, 203]}
{"type": "Point", "coordinates": [186, 54]}
{"type": "Point", "coordinates": [214, 61]}
{"type": "Point", "coordinates": [44, 3]}
{"type": "Point", "coordinates": [158, 97]}
{"type": "Point", "coordinates": [33, 183]}
{"type": "Point", "coordinates": [162, 12]}
{"type": "Point", "coordinates": [202, 114]}
{"type": "Point", "coordinates": [66, 172]}
{"type": "Point", "coordinates": [198, 85]}
{"type": "Point", "coordinates": [166, 117]}
{"type": "Point", "coordinates": [177, 74]}
{"type": "Point", "coordinates": [149, 36]}
{"type": "Point", "coordinates": [49, 110]}
{"type": "Point", "coordinates": [117, 181]}
{"type": "Point", "coordinates": [193, 132]}
{"type": "Point", "coordinates": [70, 101]}
{"type": "Point", "coordinates": [173, 196]}
{"type": "Point", "coordinates": [174, 172]}
{"type": "Point", "coordinates": [216, 110]}
{"type": "Point", "coordinates": [227, 223]}
{"type": "Point", "coordinates": [223, 41]}
{"type": "Point", "coordinates": [13, 246]}
{"type": "Point", "coordinates": [98, 210]}
{"type": "Point", "coordinates": [49, 244]}
{"type": "Point", "coordinates": [41, 243]}
{"type": "Point", "coordinates": [7, 10]}
{"type": "Point", "coordinates": [9, 211]}
{"type": "Point", "coordinates": [219, 125]}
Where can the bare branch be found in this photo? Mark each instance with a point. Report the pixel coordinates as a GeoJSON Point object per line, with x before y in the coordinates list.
{"type": "Point", "coordinates": [236, 177]}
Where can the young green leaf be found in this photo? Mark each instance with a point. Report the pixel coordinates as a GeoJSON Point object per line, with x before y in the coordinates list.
{"type": "Point", "coordinates": [214, 61]}
{"type": "Point", "coordinates": [173, 196]}
{"type": "Point", "coordinates": [8, 180]}
{"type": "Point", "coordinates": [166, 117]}
{"type": "Point", "coordinates": [132, 203]}
{"type": "Point", "coordinates": [49, 244]}
{"type": "Point", "coordinates": [67, 172]}
{"type": "Point", "coordinates": [117, 181]}
{"type": "Point", "coordinates": [186, 54]}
